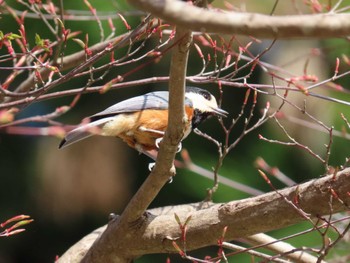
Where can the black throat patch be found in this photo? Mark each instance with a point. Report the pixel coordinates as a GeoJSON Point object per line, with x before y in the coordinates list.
{"type": "Point", "coordinates": [199, 117]}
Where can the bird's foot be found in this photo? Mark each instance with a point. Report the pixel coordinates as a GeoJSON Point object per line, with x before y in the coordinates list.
{"type": "Point", "coordinates": [157, 142]}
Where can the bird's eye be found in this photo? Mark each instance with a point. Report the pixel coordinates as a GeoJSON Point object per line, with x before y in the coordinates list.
{"type": "Point", "coordinates": [206, 95]}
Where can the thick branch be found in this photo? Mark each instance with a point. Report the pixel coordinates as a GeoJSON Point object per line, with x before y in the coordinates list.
{"type": "Point", "coordinates": [243, 218]}
{"type": "Point", "coordinates": [249, 24]}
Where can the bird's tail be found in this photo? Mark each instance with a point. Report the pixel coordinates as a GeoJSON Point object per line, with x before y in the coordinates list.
{"type": "Point", "coordinates": [83, 132]}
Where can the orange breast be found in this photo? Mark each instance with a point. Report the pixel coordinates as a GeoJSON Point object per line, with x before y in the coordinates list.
{"type": "Point", "coordinates": [149, 120]}
{"type": "Point", "coordinates": [137, 123]}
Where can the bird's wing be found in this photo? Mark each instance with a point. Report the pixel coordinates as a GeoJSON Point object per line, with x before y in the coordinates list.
{"type": "Point", "coordinates": [154, 100]}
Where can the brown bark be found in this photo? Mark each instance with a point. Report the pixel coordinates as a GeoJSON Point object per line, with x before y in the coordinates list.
{"type": "Point", "coordinates": [248, 24]}
{"type": "Point", "coordinates": [155, 232]}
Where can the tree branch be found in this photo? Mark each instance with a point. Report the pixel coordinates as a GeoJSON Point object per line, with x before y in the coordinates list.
{"type": "Point", "coordinates": [243, 217]}
{"type": "Point", "coordinates": [248, 24]}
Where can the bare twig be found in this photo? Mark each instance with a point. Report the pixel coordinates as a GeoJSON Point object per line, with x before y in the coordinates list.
{"type": "Point", "coordinates": [274, 171]}
{"type": "Point", "coordinates": [281, 247]}
{"type": "Point", "coordinates": [252, 252]}
{"type": "Point", "coordinates": [188, 164]}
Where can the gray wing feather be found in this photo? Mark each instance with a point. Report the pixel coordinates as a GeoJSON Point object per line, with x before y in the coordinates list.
{"type": "Point", "coordinates": [153, 100]}
{"type": "Point", "coordinates": [82, 132]}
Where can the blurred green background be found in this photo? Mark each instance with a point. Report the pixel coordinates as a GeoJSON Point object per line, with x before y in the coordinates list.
{"type": "Point", "coordinates": [71, 192]}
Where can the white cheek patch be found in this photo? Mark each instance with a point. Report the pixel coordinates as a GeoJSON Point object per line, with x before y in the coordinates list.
{"type": "Point", "coordinates": [200, 103]}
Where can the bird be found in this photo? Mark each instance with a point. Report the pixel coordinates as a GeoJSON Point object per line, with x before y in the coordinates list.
{"type": "Point", "coordinates": [141, 121]}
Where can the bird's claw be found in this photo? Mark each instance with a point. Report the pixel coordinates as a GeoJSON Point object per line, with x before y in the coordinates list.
{"type": "Point", "coordinates": [179, 147]}
{"type": "Point", "coordinates": [157, 142]}
{"type": "Point", "coordinates": [151, 166]}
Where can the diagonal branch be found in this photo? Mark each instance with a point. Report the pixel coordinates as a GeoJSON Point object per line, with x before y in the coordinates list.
{"type": "Point", "coordinates": [249, 24]}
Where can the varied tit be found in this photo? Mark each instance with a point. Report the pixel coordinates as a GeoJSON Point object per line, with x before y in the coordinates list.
{"type": "Point", "coordinates": [141, 121]}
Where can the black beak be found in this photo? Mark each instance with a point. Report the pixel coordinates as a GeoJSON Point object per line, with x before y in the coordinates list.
{"type": "Point", "coordinates": [220, 112]}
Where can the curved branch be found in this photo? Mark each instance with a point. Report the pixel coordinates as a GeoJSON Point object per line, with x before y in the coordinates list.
{"type": "Point", "coordinates": [249, 24]}
{"type": "Point", "coordinates": [243, 217]}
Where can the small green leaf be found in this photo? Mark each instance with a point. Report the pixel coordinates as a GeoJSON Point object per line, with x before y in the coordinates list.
{"type": "Point", "coordinates": [79, 42]}
{"type": "Point", "coordinates": [37, 39]}
{"type": "Point", "coordinates": [8, 36]}
{"type": "Point", "coordinates": [22, 223]}
{"type": "Point", "coordinates": [41, 43]}
{"type": "Point", "coordinates": [188, 220]}
{"type": "Point", "coordinates": [13, 36]}
{"type": "Point", "coordinates": [177, 219]}
{"type": "Point", "coordinates": [60, 23]}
